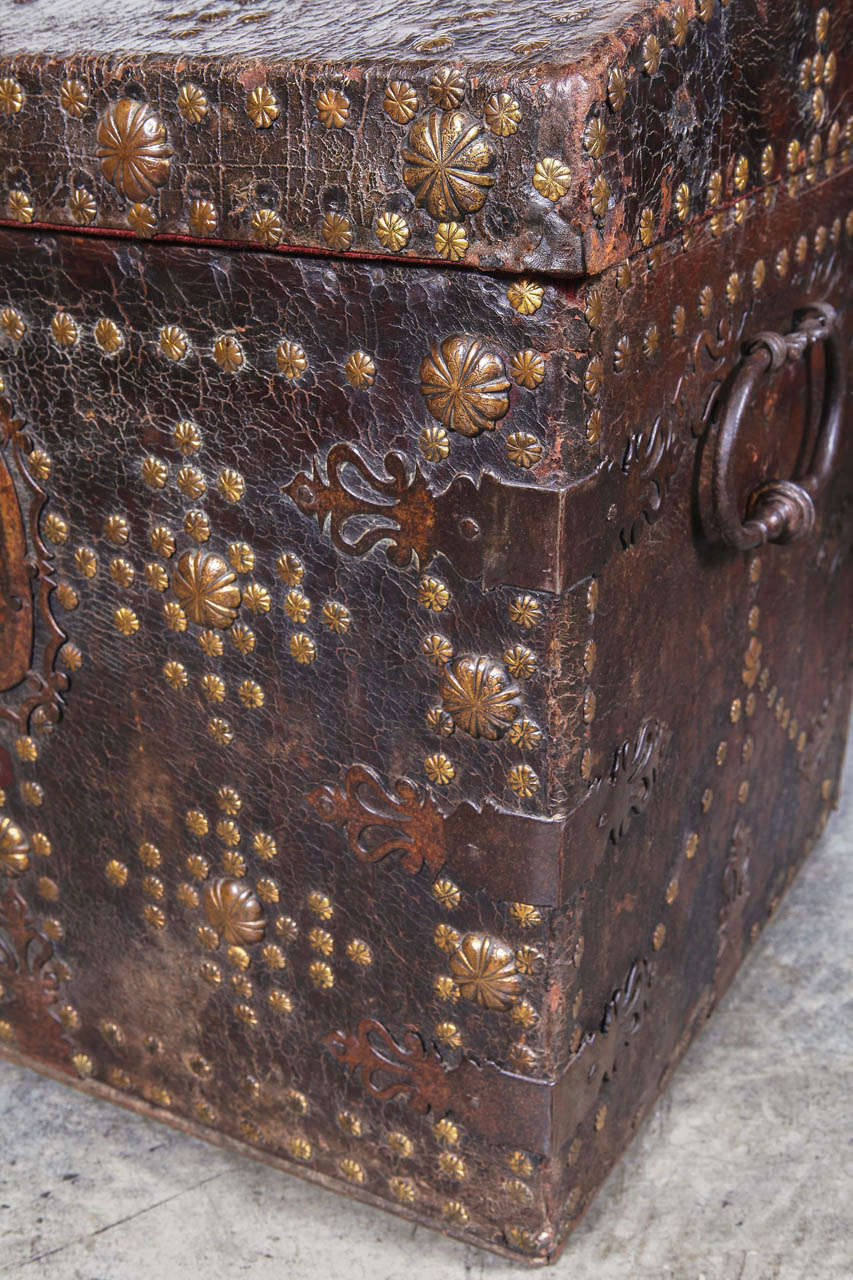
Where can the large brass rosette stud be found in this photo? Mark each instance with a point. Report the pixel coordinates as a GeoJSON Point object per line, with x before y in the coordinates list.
{"type": "Point", "coordinates": [207, 588]}
{"type": "Point", "coordinates": [446, 164]}
{"type": "Point", "coordinates": [464, 385]}
{"type": "Point", "coordinates": [234, 912]}
{"type": "Point", "coordinates": [477, 694]}
{"type": "Point", "coordinates": [484, 970]}
{"type": "Point", "coordinates": [132, 149]}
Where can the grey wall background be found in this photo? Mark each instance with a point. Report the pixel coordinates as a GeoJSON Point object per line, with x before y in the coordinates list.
{"type": "Point", "coordinates": [742, 1171]}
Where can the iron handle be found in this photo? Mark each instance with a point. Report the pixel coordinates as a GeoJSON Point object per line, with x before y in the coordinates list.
{"type": "Point", "coordinates": [779, 510]}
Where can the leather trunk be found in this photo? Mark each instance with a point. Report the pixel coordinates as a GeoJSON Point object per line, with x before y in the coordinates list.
{"type": "Point", "coordinates": [425, 585]}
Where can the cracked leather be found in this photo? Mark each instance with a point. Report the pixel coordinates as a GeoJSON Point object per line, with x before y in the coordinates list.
{"type": "Point", "coordinates": [394, 774]}
{"type": "Point", "coordinates": [552, 61]}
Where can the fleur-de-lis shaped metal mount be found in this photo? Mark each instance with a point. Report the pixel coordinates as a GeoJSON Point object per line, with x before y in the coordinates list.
{"type": "Point", "coordinates": [379, 822]}
{"type": "Point", "coordinates": [636, 765]}
{"type": "Point", "coordinates": [389, 1068]}
{"type": "Point", "coordinates": [651, 458]}
{"type": "Point", "coordinates": [402, 511]}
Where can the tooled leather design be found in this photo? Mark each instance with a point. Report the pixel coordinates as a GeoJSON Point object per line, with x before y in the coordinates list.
{"type": "Point", "coordinates": [29, 630]}
{"type": "Point", "coordinates": [569, 187]}
{"type": "Point", "coordinates": [16, 608]}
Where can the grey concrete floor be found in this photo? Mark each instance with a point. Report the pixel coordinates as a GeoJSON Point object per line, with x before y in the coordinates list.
{"type": "Point", "coordinates": [742, 1172]}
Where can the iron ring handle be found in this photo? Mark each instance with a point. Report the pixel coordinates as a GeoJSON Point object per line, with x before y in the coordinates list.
{"type": "Point", "coordinates": [779, 510]}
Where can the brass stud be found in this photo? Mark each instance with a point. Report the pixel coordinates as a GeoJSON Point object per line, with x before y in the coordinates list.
{"type": "Point", "coordinates": [262, 107]}
{"type": "Point", "coordinates": [20, 206]}
{"type": "Point", "coordinates": [227, 353]}
{"type": "Point", "coordinates": [647, 226]}
{"type": "Point", "coordinates": [593, 376]}
{"type": "Point", "coordinates": [336, 230]}
{"type": "Point", "coordinates": [595, 137]}
{"type": "Point", "coordinates": [451, 241]}
{"type": "Point", "coordinates": [446, 88]}
{"type": "Point", "coordinates": [63, 329]}
{"type": "Point", "coordinates": [141, 219]}
{"type": "Point", "coordinates": [360, 369]}
{"type": "Point", "coordinates": [527, 368]}
{"type": "Point", "coordinates": [680, 26]}
{"type": "Point", "coordinates": [616, 88]}
{"type": "Point", "coordinates": [400, 102]}
{"type": "Point", "coordinates": [173, 342]}
{"type": "Point", "coordinates": [108, 336]}
{"type": "Point", "coordinates": [392, 231]}
{"type": "Point", "coordinates": [551, 178]}
{"type": "Point", "coordinates": [11, 97]}
{"type": "Point", "coordinates": [434, 443]}
{"type": "Point", "coordinates": [525, 296]}
{"type": "Point", "coordinates": [439, 768]}
{"type": "Point", "coordinates": [332, 108]}
{"type": "Point", "coordinates": [73, 98]}
{"type": "Point", "coordinates": [267, 227]}
{"type": "Point", "coordinates": [600, 196]}
{"type": "Point", "coordinates": [502, 114]}
{"type": "Point", "coordinates": [651, 54]}
{"type": "Point", "coordinates": [202, 218]}
{"type": "Point", "coordinates": [523, 449]}
{"type": "Point", "coordinates": [291, 360]}
{"type": "Point", "coordinates": [192, 103]}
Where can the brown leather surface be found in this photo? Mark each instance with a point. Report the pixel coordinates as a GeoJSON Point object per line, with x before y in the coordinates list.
{"type": "Point", "coordinates": [289, 29]}
{"type": "Point", "coordinates": [396, 763]}
{"type": "Point", "coordinates": [573, 182]}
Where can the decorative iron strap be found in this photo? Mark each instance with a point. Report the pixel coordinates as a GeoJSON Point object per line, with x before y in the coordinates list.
{"type": "Point", "coordinates": [512, 856]}
{"type": "Point", "coordinates": [476, 524]}
{"type": "Point", "coordinates": [539, 1116]}
{"type": "Point", "coordinates": [515, 856]}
